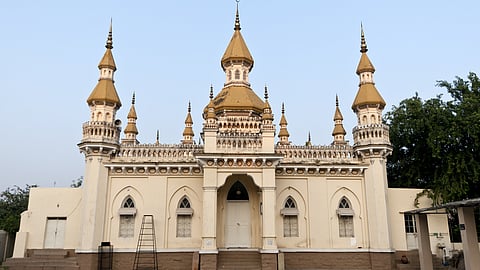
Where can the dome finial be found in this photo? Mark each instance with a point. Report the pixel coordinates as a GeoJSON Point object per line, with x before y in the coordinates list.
{"type": "Point", "coordinates": [363, 46]}
{"type": "Point", "coordinates": [133, 98]}
{"type": "Point", "coordinates": [211, 91]}
{"type": "Point", "coordinates": [189, 107]}
{"type": "Point", "coordinates": [283, 108]}
{"type": "Point", "coordinates": [336, 100]}
{"type": "Point", "coordinates": [266, 92]}
{"type": "Point", "coordinates": [237, 19]}
{"type": "Point", "coordinates": [109, 44]}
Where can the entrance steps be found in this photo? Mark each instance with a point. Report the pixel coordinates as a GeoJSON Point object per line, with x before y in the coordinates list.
{"type": "Point", "coordinates": [239, 259]}
{"type": "Point", "coordinates": [44, 259]}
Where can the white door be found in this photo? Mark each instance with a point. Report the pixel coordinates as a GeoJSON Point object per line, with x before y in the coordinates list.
{"type": "Point", "coordinates": [412, 241]}
{"type": "Point", "coordinates": [237, 225]}
{"type": "Point", "coordinates": [55, 232]}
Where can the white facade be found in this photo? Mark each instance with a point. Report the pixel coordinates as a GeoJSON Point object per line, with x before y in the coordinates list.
{"type": "Point", "coordinates": [238, 189]}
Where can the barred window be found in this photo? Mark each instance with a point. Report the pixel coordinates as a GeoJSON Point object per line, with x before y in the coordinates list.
{"type": "Point", "coordinates": [290, 218]}
{"type": "Point", "coordinates": [410, 226]}
{"type": "Point", "coordinates": [184, 218]}
{"type": "Point", "coordinates": [345, 218]}
{"type": "Point", "coordinates": [127, 218]}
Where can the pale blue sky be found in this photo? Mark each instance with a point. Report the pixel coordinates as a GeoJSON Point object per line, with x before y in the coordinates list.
{"type": "Point", "coordinates": [169, 52]}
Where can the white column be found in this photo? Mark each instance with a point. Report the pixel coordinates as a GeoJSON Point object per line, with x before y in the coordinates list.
{"type": "Point", "coordinates": [209, 224]}
{"type": "Point", "coordinates": [424, 248]}
{"type": "Point", "coordinates": [468, 231]}
{"type": "Point", "coordinates": [268, 210]}
{"type": "Point", "coordinates": [376, 200]}
{"type": "Point", "coordinates": [94, 197]}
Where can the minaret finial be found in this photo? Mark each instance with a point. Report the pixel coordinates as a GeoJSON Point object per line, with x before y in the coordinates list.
{"type": "Point", "coordinates": [363, 46]}
{"type": "Point", "coordinates": [237, 19]}
{"type": "Point", "coordinates": [211, 91]}
{"type": "Point", "coordinates": [336, 100]}
{"type": "Point", "coordinates": [189, 107]}
{"type": "Point", "coordinates": [133, 98]}
{"type": "Point", "coordinates": [266, 92]}
{"type": "Point", "coordinates": [109, 44]}
{"type": "Point", "coordinates": [283, 108]}
{"type": "Point", "coordinates": [158, 136]}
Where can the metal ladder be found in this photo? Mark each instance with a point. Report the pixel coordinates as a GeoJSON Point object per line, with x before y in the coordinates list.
{"type": "Point", "coordinates": [146, 254]}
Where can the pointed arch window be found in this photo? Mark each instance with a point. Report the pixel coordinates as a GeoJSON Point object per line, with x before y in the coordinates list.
{"type": "Point", "coordinates": [290, 218]}
{"type": "Point", "coordinates": [345, 218]}
{"type": "Point", "coordinates": [184, 218]}
{"type": "Point", "coordinates": [127, 214]}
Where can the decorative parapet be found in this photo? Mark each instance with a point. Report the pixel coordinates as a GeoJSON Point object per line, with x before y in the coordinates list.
{"type": "Point", "coordinates": [100, 131]}
{"type": "Point", "coordinates": [171, 153]}
{"type": "Point", "coordinates": [325, 154]}
{"type": "Point", "coordinates": [371, 134]}
{"type": "Point", "coordinates": [239, 142]}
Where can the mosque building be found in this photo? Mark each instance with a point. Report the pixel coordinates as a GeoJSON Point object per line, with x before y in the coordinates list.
{"type": "Point", "coordinates": [240, 193]}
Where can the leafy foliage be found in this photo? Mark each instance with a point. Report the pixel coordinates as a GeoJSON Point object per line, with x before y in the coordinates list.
{"type": "Point", "coordinates": [436, 143]}
{"type": "Point", "coordinates": [13, 201]}
{"type": "Point", "coordinates": [77, 183]}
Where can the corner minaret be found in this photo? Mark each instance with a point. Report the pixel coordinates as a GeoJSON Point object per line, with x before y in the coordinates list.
{"type": "Point", "coordinates": [103, 131]}
{"type": "Point", "coordinates": [283, 133]}
{"type": "Point", "coordinates": [188, 131]}
{"type": "Point", "coordinates": [131, 130]}
{"type": "Point", "coordinates": [268, 128]}
{"type": "Point", "coordinates": [100, 141]}
{"type": "Point", "coordinates": [338, 131]}
{"type": "Point", "coordinates": [372, 145]}
{"type": "Point", "coordinates": [368, 105]}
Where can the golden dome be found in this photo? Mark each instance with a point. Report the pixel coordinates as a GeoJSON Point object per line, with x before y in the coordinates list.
{"type": "Point", "coordinates": [368, 95]}
{"type": "Point", "coordinates": [238, 97]}
{"type": "Point", "coordinates": [107, 60]}
{"type": "Point", "coordinates": [365, 65]}
{"type": "Point", "coordinates": [132, 113]}
{"type": "Point", "coordinates": [105, 91]}
{"type": "Point", "coordinates": [131, 128]}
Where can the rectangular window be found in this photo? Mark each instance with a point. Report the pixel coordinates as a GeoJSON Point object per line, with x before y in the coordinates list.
{"type": "Point", "coordinates": [127, 225]}
{"type": "Point", "coordinates": [290, 226]}
{"type": "Point", "coordinates": [345, 226]}
{"type": "Point", "coordinates": [184, 225]}
{"type": "Point", "coordinates": [410, 226]}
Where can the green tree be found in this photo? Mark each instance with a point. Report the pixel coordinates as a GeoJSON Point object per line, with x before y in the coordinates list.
{"type": "Point", "coordinates": [436, 142]}
{"type": "Point", "coordinates": [13, 201]}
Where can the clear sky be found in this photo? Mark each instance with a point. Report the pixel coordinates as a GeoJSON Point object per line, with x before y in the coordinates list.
{"type": "Point", "coordinates": [169, 52]}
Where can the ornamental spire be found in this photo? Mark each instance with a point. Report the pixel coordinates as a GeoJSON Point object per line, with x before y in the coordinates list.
{"type": "Point", "coordinates": [283, 134]}
{"type": "Point", "coordinates": [367, 93]}
{"type": "Point", "coordinates": [188, 131]}
{"type": "Point", "coordinates": [109, 44]}
{"type": "Point", "coordinates": [105, 92]}
{"type": "Point", "coordinates": [309, 140]}
{"type": "Point", "coordinates": [131, 130]}
{"type": "Point", "coordinates": [363, 43]}
{"type": "Point", "coordinates": [267, 110]}
{"type": "Point", "coordinates": [338, 132]}
{"type": "Point", "coordinates": [237, 20]}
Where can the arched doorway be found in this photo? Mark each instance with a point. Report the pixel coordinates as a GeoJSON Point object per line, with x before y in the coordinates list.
{"type": "Point", "coordinates": [237, 220]}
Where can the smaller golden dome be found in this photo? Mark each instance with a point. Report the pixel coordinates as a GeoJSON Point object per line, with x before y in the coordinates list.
{"type": "Point", "coordinates": [105, 91]}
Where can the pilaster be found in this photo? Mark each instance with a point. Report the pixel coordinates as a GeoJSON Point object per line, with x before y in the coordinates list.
{"type": "Point", "coordinates": [268, 210]}
{"type": "Point", "coordinates": [209, 225]}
